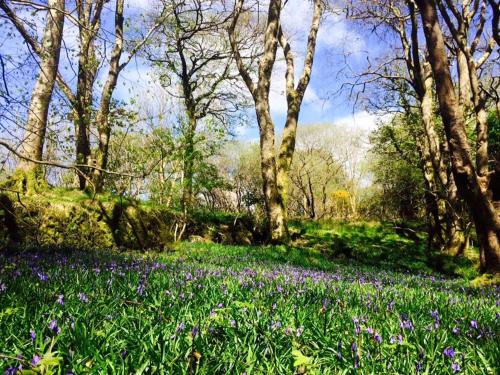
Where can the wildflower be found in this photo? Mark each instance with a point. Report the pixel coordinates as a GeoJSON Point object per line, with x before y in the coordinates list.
{"type": "Point", "coordinates": [194, 331]}
{"type": "Point", "coordinates": [35, 360]}
{"type": "Point", "coordinates": [288, 331]}
{"type": "Point", "coordinates": [377, 338]}
{"type": "Point", "coordinates": [455, 367]}
{"type": "Point", "coordinates": [437, 321]}
{"type": "Point", "coordinates": [390, 305]}
{"type": "Point", "coordinates": [369, 330]}
{"type": "Point", "coordinates": [60, 299]}
{"type": "Point", "coordinates": [233, 323]}
{"type": "Point", "coordinates": [449, 352]}
{"type": "Point", "coordinates": [140, 288]}
{"type": "Point", "coordinates": [473, 324]}
{"type": "Point", "coordinates": [220, 305]}
{"type": "Point", "coordinates": [357, 330]}
{"type": "Point", "coordinates": [53, 327]}
{"type": "Point", "coordinates": [406, 324]}
{"type": "Point", "coordinates": [83, 297]}
{"type": "Point", "coordinates": [419, 366]}
{"type": "Point", "coordinates": [180, 327]}
{"type": "Point", "coordinates": [32, 334]}
{"type": "Point", "coordinates": [42, 276]}
{"type": "Point", "coordinates": [3, 287]}
{"type": "Point", "coordinates": [299, 331]}
{"type": "Point", "coordinates": [455, 331]}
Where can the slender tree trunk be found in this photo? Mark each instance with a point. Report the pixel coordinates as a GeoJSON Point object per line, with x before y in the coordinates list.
{"type": "Point", "coordinates": [31, 174]}
{"type": "Point", "coordinates": [188, 164]}
{"type": "Point", "coordinates": [469, 183]}
{"type": "Point", "coordinates": [102, 117]}
{"type": "Point", "coordinates": [449, 227]}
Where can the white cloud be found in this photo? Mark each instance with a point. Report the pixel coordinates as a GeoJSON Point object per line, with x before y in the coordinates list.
{"type": "Point", "coordinates": [360, 120]}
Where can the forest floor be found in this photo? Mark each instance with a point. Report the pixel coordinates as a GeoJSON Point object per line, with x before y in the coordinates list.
{"type": "Point", "coordinates": [352, 298]}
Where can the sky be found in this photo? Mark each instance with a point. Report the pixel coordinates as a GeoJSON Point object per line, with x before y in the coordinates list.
{"type": "Point", "coordinates": [341, 47]}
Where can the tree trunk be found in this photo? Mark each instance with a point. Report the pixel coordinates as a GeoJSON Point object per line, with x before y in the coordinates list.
{"type": "Point", "coordinates": [275, 207]}
{"type": "Point", "coordinates": [102, 117]}
{"type": "Point", "coordinates": [188, 165]}
{"type": "Point", "coordinates": [30, 174]}
{"type": "Point", "coordinates": [449, 228]}
{"type": "Point", "coordinates": [469, 184]}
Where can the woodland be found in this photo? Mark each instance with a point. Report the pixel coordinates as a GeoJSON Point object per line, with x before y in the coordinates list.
{"type": "Point", "coordinates": [249, 186]}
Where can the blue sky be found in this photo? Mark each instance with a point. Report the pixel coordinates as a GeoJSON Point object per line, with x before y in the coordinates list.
{"type": "Point", "coordinates": [340, 46]}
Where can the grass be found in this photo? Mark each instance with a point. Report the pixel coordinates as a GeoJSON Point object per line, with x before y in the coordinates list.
{"type": "Point", "coordinates": [213, 309]}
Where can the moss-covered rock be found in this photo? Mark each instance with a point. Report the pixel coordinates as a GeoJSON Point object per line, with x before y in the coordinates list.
{"type": "Point", "coordinates": [75, 220]}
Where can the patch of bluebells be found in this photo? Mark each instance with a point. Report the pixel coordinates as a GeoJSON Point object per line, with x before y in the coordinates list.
{"type": "Point", "coordinates": [223, 305]}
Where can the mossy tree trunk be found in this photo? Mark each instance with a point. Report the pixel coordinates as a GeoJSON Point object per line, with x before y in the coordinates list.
{"type": "Point", "coordinates": [275, 168]}
{"type": "Point", "coordinates": [30, 175]}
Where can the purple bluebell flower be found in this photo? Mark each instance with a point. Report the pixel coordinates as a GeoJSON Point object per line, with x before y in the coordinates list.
{"type": "Point", "coordinates": [449, 352]}
{"type": "Point", "coordinates": [288, 331]}
{"type": "Point", "coordinates": [195, 331]}
{"type": "Point", "coordinates": [418, 368]}
{"type": "Point", "coordinates": [83, 297]}
{"type": "Point", "coordinates": [60, 299]}
{"type": "Point", "coordinates": [3, 287]}
{"type": "Point", "coordinates": [357, 330]}
{"type": "Point", "coordinates": [299, 331]}
{"type": "Point", "coordinates": [455, 331]}
{"type": "Point", "coordinates": [377, 338]}
{"type": "Point", "coordinates": [53, 327]}
{"type": "Point", "coordinates": [180, 327]}
{"type": "Point", "coordinates": [369, 330]}
{"type": "Point", "coordinates": [406, 324]}
{"type": "Point", "coordinates": [455, 367]}
{"type": "Point", "coordinates": [32, 334]}
{"type": "Point", "coordinates": [474, 324]}
{"type": "Point", "coordinates": [35, 360]}
{"type": "Point", "coordinates": [42, 276]}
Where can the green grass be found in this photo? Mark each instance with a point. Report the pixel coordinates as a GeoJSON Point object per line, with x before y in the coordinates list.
{"type": "Point", "coordinates": [214, 309]}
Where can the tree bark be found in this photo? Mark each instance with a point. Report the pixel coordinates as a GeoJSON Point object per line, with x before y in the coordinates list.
{"type": "Point", "coordinates": [89, 20]}
{"type": "Point", "coordinates": [469, 183]}
{"type": "Point", "coordinates": [102, 116]}
{"type": "Point", "coordinates": [36, 124]}
{"type": "Point", "coordinates": [275, 169]}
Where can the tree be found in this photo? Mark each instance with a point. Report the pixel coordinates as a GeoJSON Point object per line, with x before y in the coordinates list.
{"type": "Point", "coordinates": [412, 83]}
{"type": "Point", "coordinates": [275, 168]}
{"type": "Point", "coordinates": [472, 185]}
{"type": "Point", "coordinates": [192, 55]}
{"type": "Point", "coordinates": [30, 174]}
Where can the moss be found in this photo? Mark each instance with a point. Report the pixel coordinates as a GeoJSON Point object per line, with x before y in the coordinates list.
{"type": "Point", "coordinates": [28, 180]}
{"type": "Point", "coordinates": [75, 219]}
